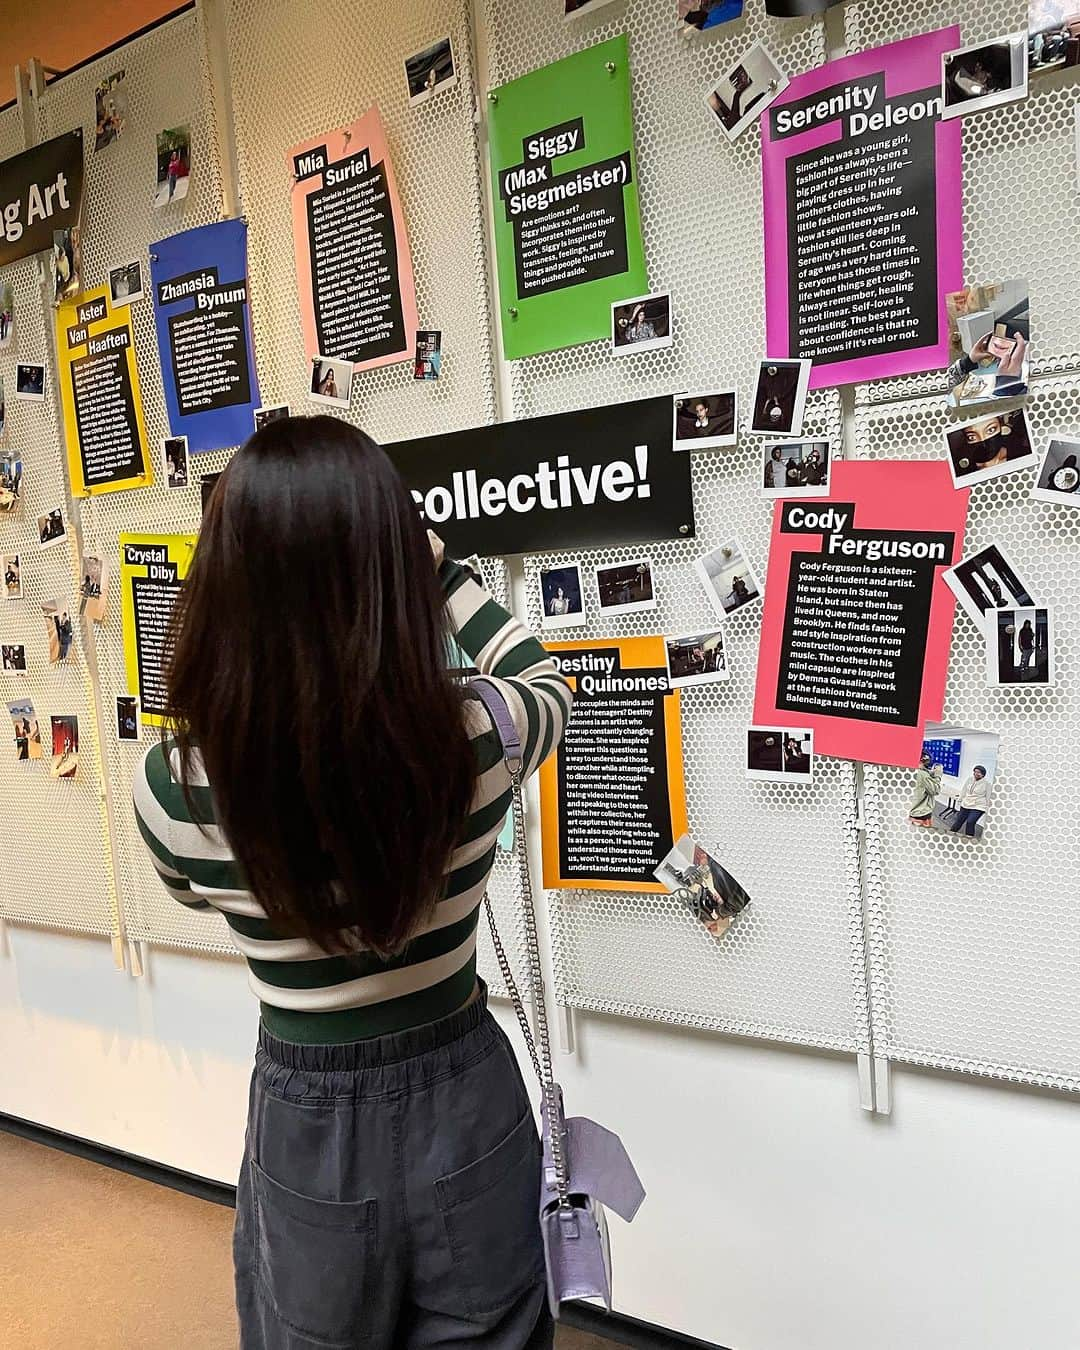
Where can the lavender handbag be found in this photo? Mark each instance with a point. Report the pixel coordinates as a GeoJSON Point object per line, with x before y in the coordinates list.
{"type": "Point", "coordinates": [585, 1166]}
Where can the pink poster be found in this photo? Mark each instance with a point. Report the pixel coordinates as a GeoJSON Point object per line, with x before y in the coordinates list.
{"type": "Point", "coordinates": [353, 266]}
{"type": "Point", "coordinates": [858, 620]}
{"type": "Point", "coordinates": [863, 214]}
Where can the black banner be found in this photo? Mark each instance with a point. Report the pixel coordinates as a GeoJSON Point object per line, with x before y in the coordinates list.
{"type": "Point", "coordinates": [40, 191]}
{"type": "Point", "coordinates": [602, 476]}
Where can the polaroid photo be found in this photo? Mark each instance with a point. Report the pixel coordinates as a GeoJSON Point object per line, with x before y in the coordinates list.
{"type": "Point", "coordinates": [427, 354]}
{"type": "Point", "coordinates": [780, 754]}
{"type": "Point", "coordinates": [984, 75]}
{"type": "Point", "coordinates": [728, 578]}
{"type": "Point", "coordinates": [173, 166]}
{"type": "Point", "coordinates": [7, 314]}
{"type": "Point", "coordinates": [954, 780]}
{"type": "Point", "coordinates": [697, 880]}
{"type": "Point", "coordinates": [430, 70]}
{"type": "Point", "coordinates": [30, 382]}
{"type": "Point", "coordinates": [641, 324]}
{"type": "Point", "coordinates": [986, 581]}
{"type": "Point", "coordinates": [126, 284]}
{"type": "Point", "coordinates": [11, 472]}
{"type": "Point", "coordinates": [273, 412]}
{"type": "Point", "coordinates": [66, 264]}
{"type": "Point", "coordinates": [626, 587]}
{"type": "Point", "coordinates": [207, 483]}
{"type": "Point", "coordinates": [110, 110]}
{"type": "Point", "coordinates": [1053, 36]}
{"type": "Point", "coordinates": [1058, 479]}
{"type": "Point", "coordinates": [94, 587]}
{"type": "Point", "coordinates": [696, 658]}
{"type": "Point", "coordinates": [13, 659]}
{"type": "Point", "coordinates": [992, 326]}
{"type": "Point", "coordinates": [1019, 647]}
{"type": "Point", "coordinates": [174, 461]}
{"type": "Point", "coordinates": [780, 398]}
{"type": "Point", "coordinates": [562, 597]}
{"type": "Point", "coordinates": [331, 381]}
{"type": "Point", "coordinates": [795, 469]}
{"type": "Point", "coordinates": [706, 16]}
{"type": "Point", "coordinates": [988, 447]}
{"type": "Point", "coordinates": [578, 9]}
{"type": "Point", "coordinates": [705, 421]}
{"type": "Point", "coordinates": [51, 528]}
{"type": "Point", "coordinates": [59, 629]}
{"type": "Point", "coordinates": [27, 732]}
{"type": "Point", "coordinates": [12, 568]}
{"type": "Point", "coordinates": [128, 718]}
{"type": "Point", "coordinates": [3, 409]}
{"type": "Point", "coordinates": [746, 90]}
{"type": "Point", "coordinates": [65, 747]}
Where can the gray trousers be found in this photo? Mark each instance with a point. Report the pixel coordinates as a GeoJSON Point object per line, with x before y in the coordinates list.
{"type": "Point", "coordinates": [388, 1195]}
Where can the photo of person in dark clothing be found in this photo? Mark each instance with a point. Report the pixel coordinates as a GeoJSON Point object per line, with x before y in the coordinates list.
{"type": "Point", "coordinates": [1020, 647]}
{"type": "Point", "coordinates": [704, 421]}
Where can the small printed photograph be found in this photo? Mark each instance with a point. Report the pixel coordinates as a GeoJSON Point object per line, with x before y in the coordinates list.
{"type": "Point", "coordinates": [705, 421]}
{"type": "Point", "coordinates": [7, 313]}
{"type": "Point", "coordinates": [696, 879]}
{"type": "Point", "coordinates": [331, 381]}
{"type": "Point", "coordinates": [780, 754]}
{"type": "Point", "coordinates": [3, 409]}
{"type": "Point", "coordinates": [561, 596]}
{"type": "Point", "coordinates": [110, 110]}
{"type": "Point", "coordinates": [13, 658]}
{"type": "Point", "coordinates": [173, 165]}
{"type": "Point", "coordinates": [626, 586]}
{"type": "Point", "coordinates": [642, 324]}
{"type": "Point", "coordinates": [429, 70]}
{"type": "Point", "coordinates": [796, 469]}
{"type": "Point", "coordinates": [988, 447]}
{"type": "Point", "coordinates": [954, 780]}
{"type": "Point", "coordinates": [126, 284]}
{"type": "Point", "coordinates": [51, 528]}
{"type": "Point", "coordinates": [94, 587]}
{"type": "Point", "coordinates": [272, 413]}
{"type": "Point", "coordinates": [66, 264]}
{"type": "Point", "coordinates": [174, 461]}
{"type": "Point", "coordinates": [780, 398]}
{"type": "Point", "coordinates": [696, 658]}
{"type": "Point", "coordinates": [575, 9]}
{"type": "Point", "coordinates": [986, 581]}
{"type": "Point", "coordinates": [65, 747]}
{"type": "Point", "coordinates": [982, 76]}
{"type": "Point", "coordinates": [59, 629]}
{"type": "Point", "coordinates": [728, 578]}
{"type": "Point", "coordinates": [427, 356]}
{"type": "Point", "coordinates": [1053, 36]}
{"type": "Point", "coordinates": [27, 732]}
{"type": "Point", "coordinates": [701, 16]}
{"type": "Point", "coordinates": [1058, 479]}
{"type": "Point", "coordinates": [128, 718]}
{"type": "Point", "coordinates": [1019, 647]}
{"type": "Point", "coordinates": [990, 331]}
{"type": "Point", "coordinates": [30, 382]}
{"type": "Point", "coordinates": [11, 471]}
{"type": "Point", "coordinates": [746, 90]}
{"type": "Point", "coordinates": [12, 576]}
{"type": "Point", "coordinates": [207, 483]}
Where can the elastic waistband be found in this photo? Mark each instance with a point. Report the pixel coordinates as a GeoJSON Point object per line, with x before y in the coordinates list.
{"type": "Point", "coordinates": [379, 1051]}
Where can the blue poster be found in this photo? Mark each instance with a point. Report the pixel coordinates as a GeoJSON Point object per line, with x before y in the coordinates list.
{"type": "Point", "coordinates": [203, 317]}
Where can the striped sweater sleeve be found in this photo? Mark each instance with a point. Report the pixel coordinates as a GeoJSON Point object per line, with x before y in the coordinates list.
{"type": "Point", "coordinates": [503, 649]}
{"type": "Point", "coordinates": [156, 794]}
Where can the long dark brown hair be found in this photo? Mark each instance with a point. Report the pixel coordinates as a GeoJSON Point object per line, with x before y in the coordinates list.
{"type": "Point", "coordinates": [308, 670]}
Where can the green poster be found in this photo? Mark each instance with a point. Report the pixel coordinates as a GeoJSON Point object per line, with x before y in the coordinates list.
{"type": "Point", "coordinates": [567, 227]}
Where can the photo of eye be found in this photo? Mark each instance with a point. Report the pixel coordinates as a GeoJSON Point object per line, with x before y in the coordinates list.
{"type": "Point", "coordinates": [985, 75]}
{"type": "Point", "coordinates": [988, 447]}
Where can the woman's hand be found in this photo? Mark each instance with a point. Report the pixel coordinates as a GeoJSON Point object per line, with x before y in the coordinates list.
{"type": "Point", "coordinates": [438, 548]}
{"type": "Point", "coordinates": [1014, 362]}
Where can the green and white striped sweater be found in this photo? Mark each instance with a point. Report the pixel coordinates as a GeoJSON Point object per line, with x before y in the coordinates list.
{"type": "Point", "coordinates": [306, 995]}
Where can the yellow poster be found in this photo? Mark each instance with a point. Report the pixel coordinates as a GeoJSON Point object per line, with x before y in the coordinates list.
{"type": "Point", "coordinates": [99, 389]}
{"type": "Point", "coordinates": [152, 568]}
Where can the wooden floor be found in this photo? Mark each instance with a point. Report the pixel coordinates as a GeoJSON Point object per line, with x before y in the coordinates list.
{"type": "Point", "coordinates": [94, 1259]}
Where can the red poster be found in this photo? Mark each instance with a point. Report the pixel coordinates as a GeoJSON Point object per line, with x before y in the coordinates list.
{"type": "Point", "coordinates": [858, 619]}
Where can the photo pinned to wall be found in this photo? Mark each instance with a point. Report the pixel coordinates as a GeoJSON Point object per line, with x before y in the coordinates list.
{"type": "Point", "coordinates": [7, 313]}
{"type": "Point", "coordinates": [705, 16]}
{"type": "Point", "coordinates": [59, 629]}
{"type": "Point", "coordinates": [1058, 479]}
{"type": "Point", "coordinates": [12, 567]}
{"type": "Point", "coordinates": [51, 528]}
{"type": "Point", "coordinates": [984, 75]}
{"type": "Point", "coordinates": [696, 658]}
{"type": "Point", "coordinates": [698, 881]}
{"type": "Point", "coordinates": [94, 587]}
{"type": "Point", "coordinates": [66, 264]}
{"type": "Point", "coordinates": [331, 382]}
{"type": "Point", "coordinates": [780, 398]}
{"type": "Point", "coordinates": [110, 110]}
{"type": "Point", "coordinates": [562, 600]}
{"type": "Point", "coordinates": [986, 581]}
{"type": "Point", "coordinates": [427, 354]}
{"type": "Point", "coordinates": [27, 731]}
{"type": "Point", "coordinates": [3, 410]}
{"type": "Point", "coordinates": [954, 780]}
{"type": "Point", "coordinates": [747, 89]}
{"type": "Point", "coordinates": [13, 658]}
{"type": "Point", "coordinates": [705, 421]}
{"type": "Point", "coordinates": [273, 412]}
{"type": "Point", "coordinates": [626, 587]}
{"type": "Point", "coordinates": [577, 9]}
{"type": "Point", "coordinates": [780, 754]}
{"type": "Point", "coordinates": [641, 324]}
{"type": "Point", "coordinates": [30, 382]}
{"type": "Point", "coordinates": [990, 325]}
{"type": "Point", "coordinates": [173, 166]}
{"type": "Point", "coordinates": [988, 447]}
{"type": "Point", "coordinates": [795, 469]}
{"type": "Point", "coordinates": [1053, 36]}
{"type": "Point", "coordinates": [65, 746]}
{"type": "Point", "coordinates": [128, 718]}
{"type": "Point", "coordinates": [126, 283]}
{"type": "Point", "coordinates": [174, 461]}
{"type": "Point", "coordinates": [11, 472]}
{"type": "Point", "coordinates": [728, 578]}
{"type": "Point", "coordinates": [207, 483]}
{"type": "Point", "coordinates": [1019, 647]}
{"type": "Point", "coordinates": [430, 70]}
